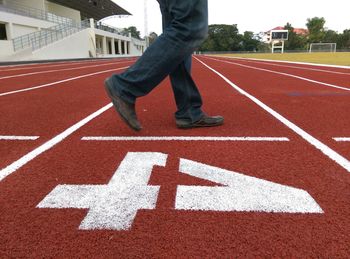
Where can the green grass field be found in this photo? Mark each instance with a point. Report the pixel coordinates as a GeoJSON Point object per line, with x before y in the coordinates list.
{"type": "Point", "coordinates": [339, 58]}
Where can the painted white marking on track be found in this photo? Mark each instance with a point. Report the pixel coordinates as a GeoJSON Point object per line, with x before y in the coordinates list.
{"type": "Point", "coordinates": [51, 64]}
{"type": "Point", "coordinates": [284, 74]}
{"type": "Point", "coordinates": [240, 193]}
{"type": "Point", "coordinates": [49, 144]}
{"type": "Point", "coordinates": [37, 65]}
{"type": "Point", "coordinates": [279, 65]}
{"type": "Point", "coordinates": [60, 70]}
{"type": "Point", "coordinates": [60, 82]}
{"type": "Point", "coordinates": [185, 138]}
{"type": "Point", "coordinates": [19, 137]}
{"type": "Point", "coordinates": [342, 139]}
{"type": "Point", "coordinates": [113, 206]}
{"type": "Point", "coordinates": [289, 62]}
{"type": "Point", "coordinates": [340, 160]}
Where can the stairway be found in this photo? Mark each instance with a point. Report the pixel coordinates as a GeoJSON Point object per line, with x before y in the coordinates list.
{"type": "Point", "coordinates": [44, 37]}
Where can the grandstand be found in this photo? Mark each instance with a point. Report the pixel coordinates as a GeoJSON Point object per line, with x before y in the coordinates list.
{"type": "Point", "coordinates": [62, 29]}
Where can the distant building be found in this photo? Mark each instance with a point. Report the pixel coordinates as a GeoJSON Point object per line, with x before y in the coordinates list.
{"type": "Point", "coordinates": [62, 29]}
{"type": "Point", "coordinates": [266, 36]}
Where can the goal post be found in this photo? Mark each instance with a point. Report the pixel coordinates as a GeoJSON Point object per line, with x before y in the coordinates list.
{"type": "Point", "coordinates": [323, 47]}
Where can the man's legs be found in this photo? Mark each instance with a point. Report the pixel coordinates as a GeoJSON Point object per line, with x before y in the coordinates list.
{"type": "Point", "coordinates": [184, 34]}
{"type": "Point", "coordinates": [186, 30]}
{"type": "Point", "coordinates": [187, 97]}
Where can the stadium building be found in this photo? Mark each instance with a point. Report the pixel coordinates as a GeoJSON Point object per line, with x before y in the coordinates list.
{"type": "Point", "coordinates": [62, 29]}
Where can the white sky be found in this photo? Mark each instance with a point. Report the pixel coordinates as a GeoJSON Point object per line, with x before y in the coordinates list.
{"type": "Point", "coordinates": [252, 15]}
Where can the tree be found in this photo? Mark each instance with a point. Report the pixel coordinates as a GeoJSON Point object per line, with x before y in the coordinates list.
{"type": "Point", "coordinates": [344, 40]}
{"type": "Point", "coordinates": [152, 37]}
{"type": "Point", "coordinates": [295, 41]}
{"type": "Point", "coordinates": [222, 37]}
{"type": "Point", "coordinates": [249, 42]}
{"type": "Point", "coordinates": [133, 31]}
{"type": "Point", "coordinates": [316, 29]}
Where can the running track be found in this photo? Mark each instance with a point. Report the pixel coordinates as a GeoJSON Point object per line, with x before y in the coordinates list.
{"type": "Point", "coordinates": [274, 181]}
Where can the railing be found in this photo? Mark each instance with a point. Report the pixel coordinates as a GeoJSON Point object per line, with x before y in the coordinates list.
{"type": "Point", "coordinates": [15, 8]}
{"type": "Point", "coordinates": [39, 39]}
{"type": "Point", "coordinates": [111, 29]}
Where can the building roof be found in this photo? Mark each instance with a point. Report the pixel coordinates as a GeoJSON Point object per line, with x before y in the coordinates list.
{"type": "Point", "coordinates": [277, 28]}
{"type": "Point", "coordinates": [97, 9]}
{"type": "Point", "coordinates": [299, 31]}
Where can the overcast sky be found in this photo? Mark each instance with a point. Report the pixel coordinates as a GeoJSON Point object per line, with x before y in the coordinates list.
{"type": "Point", "coordinates": [253, 15]}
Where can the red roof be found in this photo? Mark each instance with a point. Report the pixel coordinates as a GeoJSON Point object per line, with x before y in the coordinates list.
{"type": "Point", "coordinates": [299, 31]}
{"type": "Point", "coordinates": [277, 28]}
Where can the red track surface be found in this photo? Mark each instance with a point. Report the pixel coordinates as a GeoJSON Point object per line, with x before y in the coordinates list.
{"type": "Point", "coordinates": [321, 111]}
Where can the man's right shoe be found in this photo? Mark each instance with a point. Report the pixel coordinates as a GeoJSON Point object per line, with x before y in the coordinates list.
{"type": "Point", "coordinates": [204, 121]}
{"type": "Point", "coordinates": [124, 109]}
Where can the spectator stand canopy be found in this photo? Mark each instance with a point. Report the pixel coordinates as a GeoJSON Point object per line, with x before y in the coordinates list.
{"type": "Point", "coordinates": [97, 9]}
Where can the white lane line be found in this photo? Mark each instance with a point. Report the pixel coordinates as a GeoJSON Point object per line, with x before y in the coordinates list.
{"type": "Point", "coordinates": [289, 62]}
{"type": "Point", "coordinates": [49, 144]}
{"type": "Point", "coordinates": [59, 70]}
{"type": "Point", "coordinates": [340, 160]}
{"type": "Point", "coordinates": [278, 65]}
{"type": "Point", "coordinates": [284, 74]}
{"type": "Point", "coordinates": [51, 64]}
{"type": "Point", "coordinates": [342, 139]}
{"type": "Point", "coordinates": [61, 81]}
{"type": "Point", "coordinates": [184, 138]}
{"type": "Point", "coordinates": [19, 137]}
{"type": "Point", "coordinates": [36, 65]}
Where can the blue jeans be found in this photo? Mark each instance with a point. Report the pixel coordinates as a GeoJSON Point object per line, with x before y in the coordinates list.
{"type": "Point", "coordinates": [185, 27]}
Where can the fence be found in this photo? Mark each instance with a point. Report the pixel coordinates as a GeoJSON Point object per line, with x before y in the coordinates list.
{"type": "Point", "coordinates": [39, 39]}
{"type": "Point", "coordinates": [104, 27]}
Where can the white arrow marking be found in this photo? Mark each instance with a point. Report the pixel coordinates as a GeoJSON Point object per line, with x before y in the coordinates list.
{"type": "Point", "coordinates": [241, 193]}
{"type": "Point", "coordinates": [113, 206]}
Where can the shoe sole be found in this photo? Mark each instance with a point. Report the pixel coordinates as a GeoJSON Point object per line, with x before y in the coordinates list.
{"type": "Point", "coordinates": [116, 107]}
{"type": "Point", "coordinates": [199, 126]}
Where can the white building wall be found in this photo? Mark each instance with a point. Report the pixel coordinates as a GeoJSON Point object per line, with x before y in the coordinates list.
{"type": "Point", "coordinates": [17, 25]}
{"type": "Point", "coordinates": [63, 11]}
{"type": "Point", "coordinates": [23, 24]}
{"type": "Point", "coordinates": [134, 45]}
{"type": "Point", "coordinates": [19, 30]}
{"type": "Point", "coordinates": [137, 47]}
{"type": "Point", "coordinates": [79, 45]}
{"type": "Point", "coordinates": [6, 48]}
{"type": "Point", "coordinates": [37, 4]}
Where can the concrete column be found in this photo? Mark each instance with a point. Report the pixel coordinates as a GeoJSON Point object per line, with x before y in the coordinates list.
{"type": "Point", "coordinates": [92, 23]}
{"type": "Point", "coordinates": [120, 47]}
{"type": "Point", "coordinates": [9, 31]}
{"type": "Point", "coordinates": [98, 45]}
{"type": "Point", "coordinates": [104, 45]}
{"type": "Point", "coordinates": [113, 46]}
{"type": "Point", "coordinates": [126, 47]}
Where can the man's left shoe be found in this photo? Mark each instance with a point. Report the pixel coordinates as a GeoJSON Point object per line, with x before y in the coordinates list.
{"type": "Point", "coordinates": [205, 121]}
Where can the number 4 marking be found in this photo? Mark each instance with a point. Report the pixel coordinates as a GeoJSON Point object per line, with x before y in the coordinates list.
{"type": "Point", "coordinates": [114, 206]}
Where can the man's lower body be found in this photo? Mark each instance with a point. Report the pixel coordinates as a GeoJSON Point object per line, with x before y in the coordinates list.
{"type": "Point", "coordinates": [185, 25]}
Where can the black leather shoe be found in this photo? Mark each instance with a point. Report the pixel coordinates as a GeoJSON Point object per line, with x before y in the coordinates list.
{"type": "Point", "coordinates": [205, 121]}
{"type": "Point", "coordinates": [124, 109]}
